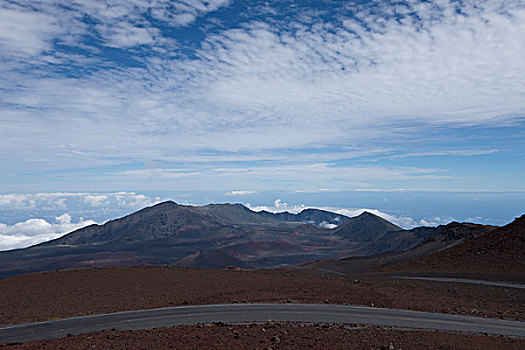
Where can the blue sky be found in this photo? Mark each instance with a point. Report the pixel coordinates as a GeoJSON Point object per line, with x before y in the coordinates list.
{"type": "Point", "coordinates": [191, 100]}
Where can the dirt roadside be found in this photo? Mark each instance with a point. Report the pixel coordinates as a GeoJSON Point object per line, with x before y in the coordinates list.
{"type": "Point", "coordinates": [53, 295]}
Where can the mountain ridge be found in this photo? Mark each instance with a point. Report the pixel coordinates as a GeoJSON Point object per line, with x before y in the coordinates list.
{"type": "Point", "coordinates": [169, 233]}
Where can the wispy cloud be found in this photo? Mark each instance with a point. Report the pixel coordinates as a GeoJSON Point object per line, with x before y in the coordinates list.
{"type": "Point", "coordinates": [461, 153]}
{"type": "Point", "coordinates": [292, 177]}
{"type": "Point", "coordinates": [122, 82]}
{"type": "Point", "coordinates": [238, 193]}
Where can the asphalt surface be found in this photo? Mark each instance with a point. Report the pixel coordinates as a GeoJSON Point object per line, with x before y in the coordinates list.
{"type": "Point", "coordinates": [234, 313]}
{"type": "Point", "coordinates": [464, 280]}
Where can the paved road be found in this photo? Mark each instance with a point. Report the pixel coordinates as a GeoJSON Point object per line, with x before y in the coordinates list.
{"type": "Point", "coordinates": [231, 313]}
{"type": "Point", "coordinates": [464, 280]}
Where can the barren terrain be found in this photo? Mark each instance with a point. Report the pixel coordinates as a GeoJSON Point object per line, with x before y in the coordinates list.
{"type": "Point", "coordinates": [50, 295]}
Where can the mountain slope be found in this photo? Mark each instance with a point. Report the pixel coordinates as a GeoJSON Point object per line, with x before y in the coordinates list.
{"type": "Point", "coordinates": [431, 240]}
{"type": "Point", "coordinates": [210, 259]}
{"type": "Point", "coordinates": [426, 240]}
{"type": "Point", "coordinates": [500, 251]}
{"type": "Point", "coordinates": [156, 222]}
{"type": "Point", "coordinates": [223, 234]}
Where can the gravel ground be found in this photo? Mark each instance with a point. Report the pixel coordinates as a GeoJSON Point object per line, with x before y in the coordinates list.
{"type": "Point", "coordinates": [275, 336]}
{"type": "Point", "coordinates": [51, 295]}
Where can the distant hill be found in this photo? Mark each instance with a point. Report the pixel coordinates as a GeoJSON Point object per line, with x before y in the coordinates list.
{"type": "Point", "coordinates": [402, 245]}
{"type": "Point", "coordinates": [425, 240]}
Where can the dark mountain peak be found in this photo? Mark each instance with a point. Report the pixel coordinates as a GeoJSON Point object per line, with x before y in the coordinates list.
{"type": "Point", "coordinates": [367, 216]}
{"type": "Point", "coordinates": [455, 224]}
{"type": "Point", "coordinates": [367, 213]}
{"type": "Point", "coordinates": [365, 227]}
{"type": "Point", "coordinates": [314, 210]}
{"type": "Point", "coordinates": [165, 204]}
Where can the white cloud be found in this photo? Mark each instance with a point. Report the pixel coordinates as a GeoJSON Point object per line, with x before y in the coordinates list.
{"type": "Point", "coordinates": [16, 201]}
{"type": "Point", "coordinates": [36, 229]}
{"type": "Point", "coordinates": [432, 71]}
{"type": "Point", "coordinates": [238, 193]}
{"type": "Point", "coordinates": [435, 221]}
{"type": "Point", "coordinates": [132, 200]}
{"type": "Point", "coordinates": [161, 173]}
{"type": "Point", "coordinates": [25, 33]}
{"type": "Point", "coordinates": [325, 224]}
{"type": "Point", "coordinates": [128, 35]}
{"type": "Point", "coordinates": [28, 27]}
{"type": "Point", "coordinates": [33, 231]}
{"type": "Point", "coordinates": [97, 200]}
{"type": "Point", "coordinates": [72, 200]}
{"type": "Point", "coordinates": [278, 207]}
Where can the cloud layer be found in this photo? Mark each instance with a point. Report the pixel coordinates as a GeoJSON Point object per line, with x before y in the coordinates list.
{"type": "Point", "coordinates": [74, 200]}
{"type": "Point", "coordinates": [39, 217]}
{"type": "Point", "coordinates": [33, 231]}
{"type": "Point", "coordinates": [112, 85]}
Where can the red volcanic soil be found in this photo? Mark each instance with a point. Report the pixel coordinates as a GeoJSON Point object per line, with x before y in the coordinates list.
{"type": "Point", "coordinates": [501, 251]}
{"type": "Point", "coordinates": [284, 335]}
{"type": "Point", "coordinates": [44, 296]}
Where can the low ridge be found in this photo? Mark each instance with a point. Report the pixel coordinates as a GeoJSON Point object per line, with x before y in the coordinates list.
{"type": "Point", "coordinates": [502, 250]}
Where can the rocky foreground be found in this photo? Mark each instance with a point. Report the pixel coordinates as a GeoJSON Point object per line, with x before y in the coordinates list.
{"type": "Point", "coordinates": [284, 335]}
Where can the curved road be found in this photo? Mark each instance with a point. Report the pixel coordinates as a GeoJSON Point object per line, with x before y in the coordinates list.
{"type": "Point", "coordinates": [231, 313]}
